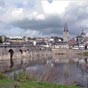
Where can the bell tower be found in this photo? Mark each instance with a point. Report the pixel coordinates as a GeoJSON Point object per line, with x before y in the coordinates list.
{"type": "Point", "coordinates": [66, 33]}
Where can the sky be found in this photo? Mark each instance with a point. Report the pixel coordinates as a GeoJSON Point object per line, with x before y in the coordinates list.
{"type": "Point", "coordinates": [42, 18]}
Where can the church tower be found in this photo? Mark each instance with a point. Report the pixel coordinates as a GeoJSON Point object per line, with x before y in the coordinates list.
{"type": "Point", "coordinates": [66, 33]}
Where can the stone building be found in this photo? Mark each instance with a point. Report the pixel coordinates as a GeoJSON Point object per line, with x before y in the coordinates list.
{"type": "Point", "coordinates": [61, 45]}
{"type": "Point", "coordinates": [81, 38]}
{"type": "Point", "coordinates": [83, 34]}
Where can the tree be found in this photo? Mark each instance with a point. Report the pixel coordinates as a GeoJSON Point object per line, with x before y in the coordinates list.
{"type": "Point", "coordinates": [11, 57]}
{"type": "Point", "coordinates": [0, 39]}
{"type": "Point", "coordinates": [21, 51]}
{"type": "Point", "coordinates": [85, 47]}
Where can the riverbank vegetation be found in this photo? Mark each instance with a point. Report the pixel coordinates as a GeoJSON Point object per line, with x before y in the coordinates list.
{"type": "Point", "coordinates": [21, 81]}
{"type": "Point", "coordinates": [6, 83]}
{"type": "Point", "coordinates": [85, 53]}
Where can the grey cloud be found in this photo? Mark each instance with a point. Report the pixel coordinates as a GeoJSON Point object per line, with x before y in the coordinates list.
{"type": "Point", "coordinates": [76, 16]}
{"type": "Point", "coordinates": [52, 24]}
{"type": "Point", "coordinates": [2, 3]}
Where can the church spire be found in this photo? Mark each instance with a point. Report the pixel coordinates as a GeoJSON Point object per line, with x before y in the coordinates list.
{"type": "Point", "coordinates": [65, 27]}
{"type": "Point", "coordinates": [66, 33]}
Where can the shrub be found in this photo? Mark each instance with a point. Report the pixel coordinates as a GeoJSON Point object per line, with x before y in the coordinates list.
{"type": "Point", "coordinates": [85, 53]}
{"type": "Point", "coordinates": [2, 76]}
{"type": "Point", "coordinates": [21, 77]}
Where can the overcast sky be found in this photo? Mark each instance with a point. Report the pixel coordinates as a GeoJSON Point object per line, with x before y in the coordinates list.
{"type": "Point", "coordinates": [37, 18]}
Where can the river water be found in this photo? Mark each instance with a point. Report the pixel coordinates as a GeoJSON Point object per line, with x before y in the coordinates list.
{"type": "Point", "coordinates": [60, 73]}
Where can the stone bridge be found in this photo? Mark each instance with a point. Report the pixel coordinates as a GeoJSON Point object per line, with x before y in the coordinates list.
{"type": "Point", "coordinates": [33, 54]}
{"type": "Point", "coordinates": [29, 54]}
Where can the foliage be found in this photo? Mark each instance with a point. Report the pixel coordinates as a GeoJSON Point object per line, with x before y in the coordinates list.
{"type": "Point", "coordinates": [2, 76]}
{"type": "Point", "coordinates": [1, 39]}
{"type": "Point", "coordinates": [85, 53]}
{"type": "Point", "coordinates": [31, 84]}
{"type": "Point", "coordinates": [21, 81]}
{"type": "Point", "coordinates": [21, 77]}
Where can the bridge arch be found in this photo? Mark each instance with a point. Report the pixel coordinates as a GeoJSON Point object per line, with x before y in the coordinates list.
{"type": "Point", "coordinates": [11, 52]}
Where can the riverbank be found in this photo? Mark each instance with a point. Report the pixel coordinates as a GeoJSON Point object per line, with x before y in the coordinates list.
{"type": "Point", "coordinates": [7, 83]}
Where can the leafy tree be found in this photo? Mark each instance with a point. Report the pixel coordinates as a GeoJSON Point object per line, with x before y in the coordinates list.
{"type": "Point", "coordinates": [0, 39]}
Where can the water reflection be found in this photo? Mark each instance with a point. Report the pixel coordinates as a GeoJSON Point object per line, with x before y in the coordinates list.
{"type": "Point", "coordinates": [50, 69]}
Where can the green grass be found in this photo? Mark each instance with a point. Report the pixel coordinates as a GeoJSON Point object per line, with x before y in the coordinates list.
{"type": "Point", "coordinates": [32, 84]}
{"type": "Point", "coordinates": [85, 53]}
{"type": "Point", "coordinates": [6, 83]}
{"type": "Point", "coordinates": [20, 81]}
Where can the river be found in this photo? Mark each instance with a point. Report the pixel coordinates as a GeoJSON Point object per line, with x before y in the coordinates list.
{"type": "Point", "coordinates": [60, 73]}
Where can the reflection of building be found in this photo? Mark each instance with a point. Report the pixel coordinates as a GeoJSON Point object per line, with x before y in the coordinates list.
{"type": "Point", "coordinates": [66, 33]}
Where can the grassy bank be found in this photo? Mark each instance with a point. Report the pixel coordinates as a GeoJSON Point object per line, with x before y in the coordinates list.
{"type": "Point", "coordinates": [22, 80]}
{"type": "Point", "coordinates": [85, 53]}
{"type": "Point", "coordinates": [5, 83]}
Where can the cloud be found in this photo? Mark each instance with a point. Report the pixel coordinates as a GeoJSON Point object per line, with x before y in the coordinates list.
{"type": "Point", "coordinates": [76, 16]}
{"type": "Point", "coordinates": [17, 9]}
{"type": "Point", "coordinates": [50, 25]}
{"type": "Point", "coordinates": [2, 3]}
{"type": "Point", "coordinates": [28, 17]}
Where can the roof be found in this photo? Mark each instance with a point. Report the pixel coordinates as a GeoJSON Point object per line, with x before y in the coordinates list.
{"type": "Point", "coordinates": [72, 42]}
{"type": "Point", "coordinates": [60, 43]}
{"type": "Point", "coordinates": [41, 43]}
{"type": "Point", "coordinates": [85, 39]}
{"type": "Point", "coordinates": [28, 43]}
